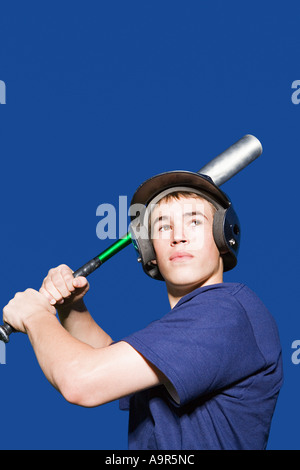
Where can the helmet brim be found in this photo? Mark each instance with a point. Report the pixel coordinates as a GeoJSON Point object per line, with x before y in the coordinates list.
{"type": "Point", "coordinates": [159, 183]}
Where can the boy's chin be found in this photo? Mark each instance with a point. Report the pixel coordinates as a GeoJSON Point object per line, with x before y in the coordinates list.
{"type": "Point", "coordinates": [185, 281]}
{"type": "Point", "coordinates": [188, 279]}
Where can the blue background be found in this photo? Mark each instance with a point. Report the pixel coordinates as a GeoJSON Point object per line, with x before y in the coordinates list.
{"type": "Point", "coordinates": [101, 96]}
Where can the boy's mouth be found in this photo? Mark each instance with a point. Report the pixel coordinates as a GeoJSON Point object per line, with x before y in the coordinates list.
{"type": "Point", "coordinates": [180, 256]}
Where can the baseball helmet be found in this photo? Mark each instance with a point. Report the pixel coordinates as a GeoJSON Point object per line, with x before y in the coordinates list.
{"type": "Point", "coordinates": [226, 226]}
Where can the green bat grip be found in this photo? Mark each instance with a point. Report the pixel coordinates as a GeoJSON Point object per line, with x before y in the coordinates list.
{"type": "Point", "coordinates": [85, 270]}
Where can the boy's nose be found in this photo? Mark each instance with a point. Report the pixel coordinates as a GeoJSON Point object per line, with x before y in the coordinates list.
{"type": "Point", "coordinates": [175, 242]}
{"type": "Point", "coordinates": [178, 237]}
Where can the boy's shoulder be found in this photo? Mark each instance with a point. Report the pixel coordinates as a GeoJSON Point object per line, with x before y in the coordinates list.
{"type": "Point", "coordinates": [222, 302]}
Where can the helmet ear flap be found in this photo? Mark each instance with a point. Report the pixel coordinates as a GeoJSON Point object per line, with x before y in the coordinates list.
{"type": "Point", "coordinates": [218, 230]}
{"type": "Point", "coordinates": [144, 248]}
{"type": "Point", "coordinates": [226, 232]}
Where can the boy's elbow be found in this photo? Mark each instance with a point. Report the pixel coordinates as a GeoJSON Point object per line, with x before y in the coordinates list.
{"type": "Point", "coordinates": [71, 392]}
{"type": "Point", "coordinates": [75, 389]}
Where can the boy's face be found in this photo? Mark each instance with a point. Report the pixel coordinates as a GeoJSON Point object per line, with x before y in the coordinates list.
{"type": "Point", "coordinates": [186, 253]}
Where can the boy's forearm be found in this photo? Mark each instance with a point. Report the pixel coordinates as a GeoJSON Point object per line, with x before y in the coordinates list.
{"type": "Point", "coordinates": [54, 347]}
{"type": "Point", "coordinates": [77, 320]}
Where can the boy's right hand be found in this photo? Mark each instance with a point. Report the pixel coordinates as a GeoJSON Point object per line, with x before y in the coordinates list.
{"type": "Point", "coordinates": [61, 288]}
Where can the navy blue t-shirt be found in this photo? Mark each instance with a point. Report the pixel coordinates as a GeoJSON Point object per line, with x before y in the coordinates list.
{"type": "Point", "coordinates": [219, 347]}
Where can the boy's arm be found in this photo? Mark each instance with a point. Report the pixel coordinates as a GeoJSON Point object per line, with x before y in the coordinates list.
{"type": "Point", "coordinates": [77, 320]}
{"type": "Point", "coordinates": [66, 293]}
{"type": "Point", "coordinates": [84, 375]}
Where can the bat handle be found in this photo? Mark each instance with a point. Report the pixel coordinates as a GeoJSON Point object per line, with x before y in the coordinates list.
{"type": "Point", "coordinates": [88, 268]}
{"type": "Point", "coordinates": [85, 270]}
{"type": "Point", "coordinates": [5, 331]}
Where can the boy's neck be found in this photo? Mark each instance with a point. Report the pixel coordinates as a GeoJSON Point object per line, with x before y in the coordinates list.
{"type": "Point", "coordinates": [175, 293]}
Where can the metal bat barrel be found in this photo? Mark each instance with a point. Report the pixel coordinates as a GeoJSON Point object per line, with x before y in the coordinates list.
{"type": "Point", "coordinates": [234, 159]}
{"type": "Point", "coordinates": [220, 169]}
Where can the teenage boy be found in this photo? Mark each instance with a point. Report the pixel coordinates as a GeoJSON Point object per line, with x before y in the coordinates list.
{"type": "Point", "coordinates": [204, 376]}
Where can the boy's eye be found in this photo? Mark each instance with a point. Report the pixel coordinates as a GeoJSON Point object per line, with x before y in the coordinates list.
{"type": "Point", "coordinates": [196, 222]}
{"type": "Point", "coordinates": [164, 228]}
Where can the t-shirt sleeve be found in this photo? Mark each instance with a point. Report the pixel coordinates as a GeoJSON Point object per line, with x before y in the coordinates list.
{"type": "Point", "coordinates": [201, 346]}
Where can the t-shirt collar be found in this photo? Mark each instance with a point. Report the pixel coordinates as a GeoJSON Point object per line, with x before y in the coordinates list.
{"type": "Point", "coordinates": [198, 291]}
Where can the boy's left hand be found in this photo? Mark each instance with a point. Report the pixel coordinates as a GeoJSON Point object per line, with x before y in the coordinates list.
{"type": "Point", "coordinates": [24, 305]}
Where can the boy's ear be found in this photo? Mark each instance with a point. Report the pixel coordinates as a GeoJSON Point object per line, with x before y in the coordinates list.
{"type": "Point", "coordinates": [153, 261]}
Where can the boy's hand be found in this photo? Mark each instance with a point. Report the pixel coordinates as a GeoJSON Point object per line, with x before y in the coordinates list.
{"type": "Point", "coordinates": [24, 305]}
{"type": "Point", "coordinates": [60, 287]}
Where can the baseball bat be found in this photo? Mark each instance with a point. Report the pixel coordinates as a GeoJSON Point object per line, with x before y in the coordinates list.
{"type": "Point", "coordinates": [220, 169]}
